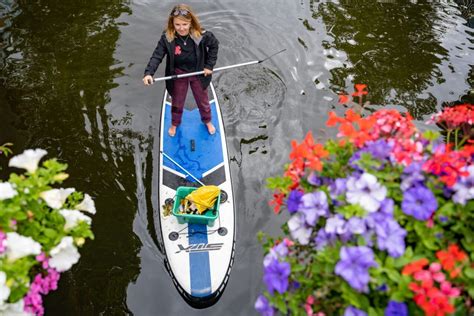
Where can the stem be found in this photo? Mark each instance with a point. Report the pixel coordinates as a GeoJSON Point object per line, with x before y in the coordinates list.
{"type": "Point", "coordinates": [456, 138]}
{"type": "Point", "coordinates": [448, 135]}
{"type": "Point", "coordinates": [463, 140]}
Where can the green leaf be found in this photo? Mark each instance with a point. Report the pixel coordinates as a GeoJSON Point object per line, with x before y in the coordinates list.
{"type": "Point", "coordinates": [469, 272]}
{"type": "Point", "coordinates": [393, 275]}
{"type": "Point", "coordinates": [470, 290]}
{"type": "Point", "coordinates": [280, 183]}
{"type": "Point", "coordinates": [354, 298]}
{"type": "Point", "coordinates": [375, 312]}
{"type": "Point", "coordinates": [50, 233]}
{"type": "Point", "coordinates": [431, 135]}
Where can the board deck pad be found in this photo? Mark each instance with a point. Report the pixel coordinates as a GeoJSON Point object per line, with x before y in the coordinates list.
{"type": "Point", "coordinates": [199, 257]}
{"type": "Point", "coordinates": [192, 146]}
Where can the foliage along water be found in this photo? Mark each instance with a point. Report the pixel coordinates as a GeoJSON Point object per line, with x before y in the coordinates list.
{"type": "Point", "coordinates": [70, 83]}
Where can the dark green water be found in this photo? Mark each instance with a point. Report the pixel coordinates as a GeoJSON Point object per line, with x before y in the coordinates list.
{"type": "Point", "coordinates": [70, 76]}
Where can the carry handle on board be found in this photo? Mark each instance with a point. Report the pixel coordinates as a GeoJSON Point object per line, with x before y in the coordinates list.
{"type": "Point", "coordinates": [217, 69]}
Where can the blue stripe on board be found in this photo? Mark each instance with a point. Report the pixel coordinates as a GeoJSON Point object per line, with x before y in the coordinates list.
{"type": "Point", "coordinates": [207, 152]}
{"type": "Point", "coordinates": [200, 270]}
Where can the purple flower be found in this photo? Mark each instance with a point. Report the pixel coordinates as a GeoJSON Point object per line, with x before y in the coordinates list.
{"type": "Point", "coordinates": [336, 225]}
{"type": "Point", "coordinates": [354, 265]}
{"type": "Point", "coordinates": [298, 228]}
{"type": "Point", "coordinates": [276, 276]}
{"type": "Point", "coordinates": [419, 202]}
{"type": "Point", "coordinates": [337, 187]}
{"type": "Point", "coordinates": [396, 309]}
{"type": "Point", "coordinates": [352, 311]}
{"type": "Point", "coordinates": [464, 188]}
{"type": "Point", "coordinates": [356, 225]}
{"type": "Point", "coordinates": [323, 239]}
{"type": "Point", "coordinates": [279, 251]}
{"type": "Point", "coordinates": [412, 176]}
{"type": "Point", "coordinates": [314, 205]}
{"type": "Point", "coordinates": [379, 149]}
{"type": "Point", "coordinates": [313, 179]}
{"type": "Point", "coordinates": [263, 306]}
{"type": "Point", "coordinates": [366, 191]}
{"type": "Point", "coordinates": [443, 219]}
{"type": "Point", "coordinates": [383, 288]}
{"type": "Point", "coordinates": [368, 237]}
{"type": "Point", "coordinates": [293, 201]}
{"type": "Point", "coordinates": [386, 207]}
{"type": "Point", "coordinates": [391, 237]}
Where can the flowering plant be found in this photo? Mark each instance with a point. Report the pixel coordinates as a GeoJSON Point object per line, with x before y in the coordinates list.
{"type": "Point", "coordinates": [40, 230]}
{"type": "Point", "coordinates": [381, 221]}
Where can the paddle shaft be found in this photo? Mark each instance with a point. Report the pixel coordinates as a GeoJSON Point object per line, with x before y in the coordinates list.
{"type": "Point", "coordinates": [182, 168]}
{"type": "Point", "coordinates": [202, 72]}
{"type": "Point", "coordinates": [216, 69]}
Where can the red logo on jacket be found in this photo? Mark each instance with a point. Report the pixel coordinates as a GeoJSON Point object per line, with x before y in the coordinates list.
{"type": "Point", "coordinates": [177, 50]}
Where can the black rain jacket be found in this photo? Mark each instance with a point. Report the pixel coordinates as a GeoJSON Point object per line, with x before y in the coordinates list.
{"type": "Point", "coordinates": [207, 47]}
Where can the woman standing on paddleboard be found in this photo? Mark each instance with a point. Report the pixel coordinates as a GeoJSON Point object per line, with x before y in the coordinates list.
{"type": "Point", "coordinates": [188, 48]}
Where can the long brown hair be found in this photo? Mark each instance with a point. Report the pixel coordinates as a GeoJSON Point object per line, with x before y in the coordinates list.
{"type": "Point", "coordinates": [195, 29]}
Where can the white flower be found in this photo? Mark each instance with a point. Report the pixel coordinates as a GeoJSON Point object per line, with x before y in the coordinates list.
{"type": "Point", "coordinates": [64, 255]}
{"type": "Point", "coordinates": [87, 205]}
{"type": "Point", "coordinates": [7, 191]}
{"type": "Point", "coordinates": [73, 218]}
{"type": "Point", "coordinates": [14, 309]}
{"type": "Point", "coordinates": [366, 191]}
{"type": "Point", "coordinates": [4, 289]}
{"type": "Point", "coordinates": [335, 225]}
{"type": "Point", "coordinates": [28, 160]}
{"type": "Point", "coordinates": [19, 246]}
{"type": "Point", "coordinates": [298, 229]}
{"type": "Point", "coordinates": [55, 198]}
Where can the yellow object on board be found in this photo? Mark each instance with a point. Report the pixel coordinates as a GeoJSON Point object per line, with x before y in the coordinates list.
{"type": "Point", "coordinates": [204, 197]}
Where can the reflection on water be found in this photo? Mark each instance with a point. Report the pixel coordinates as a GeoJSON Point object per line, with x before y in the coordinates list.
{"type": "Point", "coordinates": [56, 72]}
{"type": "Point", "coordinates": [396, 49]}
{"type": "Point", "coordinates": [70, 83]}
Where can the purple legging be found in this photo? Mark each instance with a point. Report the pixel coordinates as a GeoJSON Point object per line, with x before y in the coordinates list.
{"type": "Point", "coordinates": [178, 98]}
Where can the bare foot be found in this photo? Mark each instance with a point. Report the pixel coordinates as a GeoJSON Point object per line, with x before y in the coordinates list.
{"type": "Point", "coordinates": [172, 131]}
{"type": "Point", "coordinates": [210, 128]}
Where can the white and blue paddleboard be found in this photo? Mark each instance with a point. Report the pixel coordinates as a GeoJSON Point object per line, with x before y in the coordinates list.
{"type": "Point", "coordinates": [199, 257]}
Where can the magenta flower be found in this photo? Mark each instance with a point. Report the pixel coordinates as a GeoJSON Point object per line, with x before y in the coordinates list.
{"type": "Point", "coordinates": [419, 202]}
{"type": "Point", "coordinates": [354, 265]}
{"type": "Point", "coordinates": [3, 238]}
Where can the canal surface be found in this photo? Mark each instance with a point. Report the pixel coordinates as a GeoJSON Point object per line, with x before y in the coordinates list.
{"type": "Point", "coordinates": [70, 82]}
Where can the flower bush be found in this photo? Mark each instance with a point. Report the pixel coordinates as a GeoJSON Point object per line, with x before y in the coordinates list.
{"type": "Point", "coordinates": [41, 228]}
{"type": "Point", "coordinates": [381, 220]}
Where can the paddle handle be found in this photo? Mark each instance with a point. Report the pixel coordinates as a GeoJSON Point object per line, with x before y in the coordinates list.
{"type": "Point", "coordinates": [202, 72]}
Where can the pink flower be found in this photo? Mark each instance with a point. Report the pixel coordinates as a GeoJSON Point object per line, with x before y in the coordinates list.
{"type": "Point", "coordinates": [448, 290]}
{"type": "Point", "coordinates": [3, 238]}
{"type": "Point", "coordinates": [308, 306]}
